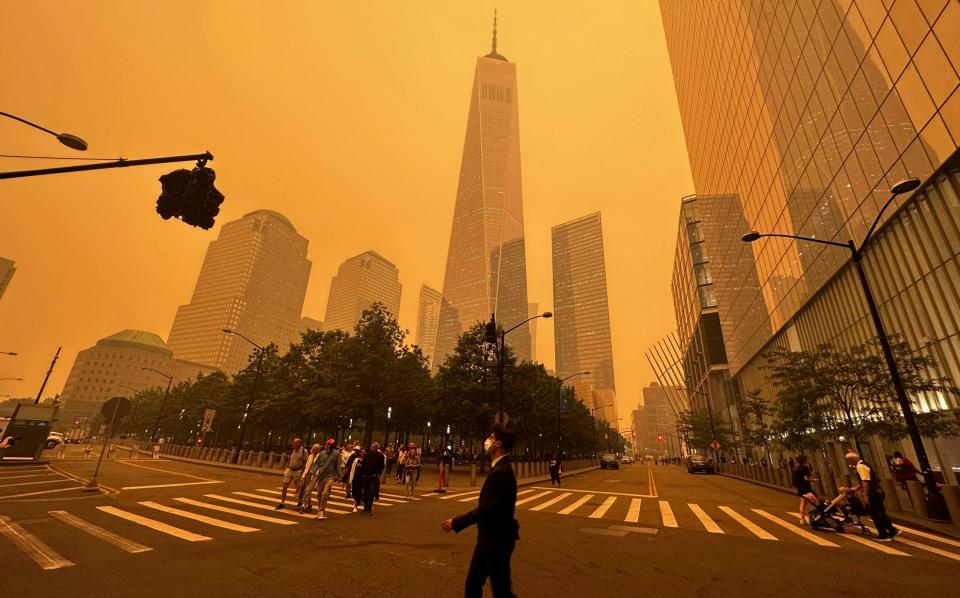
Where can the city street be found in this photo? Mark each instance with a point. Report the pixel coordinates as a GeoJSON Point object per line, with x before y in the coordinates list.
{"type": "Point", "coordinates": [163, 527]}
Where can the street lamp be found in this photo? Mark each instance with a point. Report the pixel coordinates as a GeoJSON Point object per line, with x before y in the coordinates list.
{"type": "Point", "coordinates": [156, 427]}
{"type": "Point", "coordinates": [71, 141]}
{"type": "Point", "coordinates": [253, 391]}
{"type": "Point", "coordinates": [499, 341]}
{"type": "Point", "coordinates": [560, 408]}
{"type": "Point", "coordinates": [936, 506]}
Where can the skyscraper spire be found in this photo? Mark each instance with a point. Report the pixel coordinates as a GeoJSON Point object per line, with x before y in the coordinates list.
{"type": "Point", "coordinates": [493, 53]}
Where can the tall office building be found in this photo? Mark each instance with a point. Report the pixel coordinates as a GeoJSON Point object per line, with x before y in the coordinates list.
{"type": "Point", "coordinates": [253, 280]}
{"type": "Point", "coordinates": [360, 282]}
{"type": "Point", "coordinates": [581, 312]}
{"type": "Point", "coordinates": [428, 316]}
{"type": "Point", "coordinates": [486, 268]}
{"type": "Point", "coordinates": [6, 274]}
{"type": "Point", "coordinates": [115, 365]}
{"type": "Point", "coordinates": [655, 422]}
{"type": "Point", "coordinates": [809, 113]}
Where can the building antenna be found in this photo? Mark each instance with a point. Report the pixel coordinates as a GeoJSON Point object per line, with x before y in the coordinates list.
{"type": "Point", "coordinates": [494, 31]}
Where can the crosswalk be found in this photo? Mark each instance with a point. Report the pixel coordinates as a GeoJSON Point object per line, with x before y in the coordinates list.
{"type": "Point", "coordinates": [764, 524]}
{"type": "Point", "coordinates": [130, 527]}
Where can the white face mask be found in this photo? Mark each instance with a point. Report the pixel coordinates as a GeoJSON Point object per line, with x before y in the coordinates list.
{"type": "Point", "coordinates": [487, 445]}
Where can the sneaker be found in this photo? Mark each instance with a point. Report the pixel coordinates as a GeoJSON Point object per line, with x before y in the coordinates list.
{"type": "Point", "coordinates": [278, 507]}
{"type": "Point", "coordinates": [321, 515]}
{"type": "Point", "coordinates": [354, 509]}
{"type": "Point", "coordinates": [885, 539]}
{"type": "Point", "coordinates": [894, 533]}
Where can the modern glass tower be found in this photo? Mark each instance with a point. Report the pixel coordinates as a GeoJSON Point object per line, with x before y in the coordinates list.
{"type": "Point", "coordinates": [360, 282]}
{"type": "Point", "coordinates": [486, 268]}
{"type": "Point", "coordinates": [808, 112]}
{"type": "Point", "coordinates": [581, 313]}
{"type": "Point", "coordinates": [253, 280]}
{"type": "Point", "coordinates": [428, 315]}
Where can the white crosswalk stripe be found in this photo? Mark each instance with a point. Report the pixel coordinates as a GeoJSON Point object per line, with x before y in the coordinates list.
{"type": "Point", "coordinates": [159, 526]}
{"type": "Point", "coordinates": [576, 504]}
{"type": "Point", "coordinates": [666, 514]}
{"type": "Point", "coordinates": [797, 530]}
{"type": "Point", "coordinates": [531, 498]}
{"type": "Point", "coordinates": [874, 545]}
{"type": "Point", "coordinates": [256, 505]}
{"type": "Point", "coordinates": [271, 499]}
{"type": "Point", "coordinates": [458, 495]}
{"type": "Point", "coordinates": [32, 546]}
{"type": "Point", "coordinates": [603, 508]}
{"type": "Point", "coordinates": [550, 502]}
{"type": "Point", "coordinates": [98, 532]}
{"type": "Point", "coordinates": [933, 549]}
{"type": "Point", "coordinates": [331, 501]}
{"type": "Point", "coordinates": [755, 529]}
{"type": "Point", "coordinates": [237, 512]}
{"type": "Point", "coordinates": [708, 524]}
{"type": "Point", "coordinates": [197, 517]}
{"type": "Point", "coordinates": [633, 514]}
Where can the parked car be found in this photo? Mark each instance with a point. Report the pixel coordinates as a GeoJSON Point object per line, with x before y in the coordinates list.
{"type": "Point", "coordinates": [53, 439]}
{"type": "Point", "coordinates": [699, 463]}
{"type": "Point", "coordinates": [609, 461]}
{"type": "Point", "coordinates": [626, 459]}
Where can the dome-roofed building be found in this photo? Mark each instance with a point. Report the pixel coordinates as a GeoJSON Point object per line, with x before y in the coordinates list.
{"type": "Point", "coordinates": [115, 366]}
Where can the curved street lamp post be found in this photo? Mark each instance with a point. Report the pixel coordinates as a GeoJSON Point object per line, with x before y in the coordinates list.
{"type": "Point", "coordinates": [499, 339]}
{"type": "Point", "coordinates": [71, 141]}
{"type": "Point", "coordinates": [936, 506]}
{"type": "Point", "coordinates": [560, 409]}
{"type": "Point", "coordinates": [253, 391]}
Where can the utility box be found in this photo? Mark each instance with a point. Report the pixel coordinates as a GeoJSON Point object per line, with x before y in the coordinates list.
{"type": "Point", "coordinates": [32, 424]}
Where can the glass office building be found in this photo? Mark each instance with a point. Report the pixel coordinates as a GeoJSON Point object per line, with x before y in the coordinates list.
{"type": "Point", "coordinates": [808, 112]}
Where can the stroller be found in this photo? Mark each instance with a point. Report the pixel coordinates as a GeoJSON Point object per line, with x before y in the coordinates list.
{"type": "Point", "coordinates": [844, 510]}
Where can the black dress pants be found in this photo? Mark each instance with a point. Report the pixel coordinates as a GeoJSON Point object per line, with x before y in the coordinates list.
{"type": "Point", "coordinates": [492, 562]}
{"type": "Point", "coordinates": [371, 489]}
{"type": "Point", "coordinates": [879, 515]}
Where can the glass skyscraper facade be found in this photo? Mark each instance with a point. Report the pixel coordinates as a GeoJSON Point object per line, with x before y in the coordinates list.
{"type": "Point", "coordinates": [253, 280]}
{"type": "Point", "coordinates": [581, 311]}
{"type": "Point", "coordinates": [486, 268]}
{"type": "Point", "coordinates": [808, 112]}
{"type": "Point", "coordinates": [428, 315]}
{"type": "Point", "coordinates": [360, 282]}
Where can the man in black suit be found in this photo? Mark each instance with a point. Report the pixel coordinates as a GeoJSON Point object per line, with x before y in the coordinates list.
{"type": "Point", "coordinates": [497, 530]}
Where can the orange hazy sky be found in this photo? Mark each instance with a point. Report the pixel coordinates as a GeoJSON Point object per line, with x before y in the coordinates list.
{"type": "Point", "coordinates": [347, 117]}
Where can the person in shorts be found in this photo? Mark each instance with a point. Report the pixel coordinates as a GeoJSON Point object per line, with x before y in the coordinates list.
{"type": "Point", "coordinates": [802, 477]}
{"type": "Point", "coordinates": [293, 471]}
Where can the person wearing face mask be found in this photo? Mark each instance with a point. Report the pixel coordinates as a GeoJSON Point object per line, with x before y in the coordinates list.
{"type": "Point", "coordinates": [497, 530]}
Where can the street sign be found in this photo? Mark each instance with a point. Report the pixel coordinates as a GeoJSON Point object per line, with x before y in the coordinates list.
{"type": "Point", "coordinates": [715, 445]}
{"type": "Point", "coordinates": [208, 419]}
{"type": "Point", "coordinates": [117, 407]}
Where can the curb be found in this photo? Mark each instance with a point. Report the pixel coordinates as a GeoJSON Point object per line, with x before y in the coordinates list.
{"type": "Point", "coordinates": [893, 516]}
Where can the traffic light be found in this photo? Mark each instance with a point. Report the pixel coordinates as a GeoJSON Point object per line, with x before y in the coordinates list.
{"type": "Point", "coordinates": [491, 331]}
{"type": "Point", "coordinates": [190, 196]}
{"type": "Point", "coordinates": [659, 437]}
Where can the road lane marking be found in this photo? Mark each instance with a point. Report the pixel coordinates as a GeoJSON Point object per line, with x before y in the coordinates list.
{"type": "Point", "coordinates": [709, 524]}
{"type": "Point", "coordinates": [258, 505]}
{"type": "Point", "coordinates": [170, 485]}
{"type": "Point", "coordinates": [635, 530]}
{"type": "Point", "coordinates": [161, 470]}
{"type": "Point", "coordinates": [5, 474]}
{"type": "Point", "coordinates": [237, 512]}
{"type": "Point", "coordinates": [533, 497]}
{"type": "Point", "coordinates": [98, 532]}
{"type": "Point", "coordinates": [666, 513]}
{"type": "Point", "coordinates": [875, 545]}
{"type": "Point", "coordinates": [595, 492]}
{"type": "Point", "coordinates": [933, 549]}
{"type": "Point", "coordinates": [633, 514]}
{"type": "Point", "coordinates": [34, 483]}
{"type": "Point", "coordinates": [652, 484]}
{"type": "Point", "coordinates": [917, 532]}
{"type": "Point", "coordinates": [401, 497]}
{"type": "Point", "coordinates": [332, 500]}
{"type": "Point", "coordinates": [602, 509]}
{"type": "Point", "coordinates": [753, 527]}
{"type": "Point", "coordinates": [793, 528]}
{"type": "Point", "coordinates": [576, 505]}
{"type": "Point", "coordinates": [20, 477]}
{"type": "Point", "coordinates": [159, 526]}
{"type": "Point", "coordinates": [41, 554]}
{"type": "Point", "coordinates": [78, 488]}
{"type": "Point", "coordinates": [552, 501]}
{"type": "Point", "coordinates": [459, 495]}
{"type": "Point", "coordinates": [197, 517]}
{"type": "Point", "coordinates": [602, 532]}
{"type": "Point", "coordinates": [470, 498]}
{"type": "Point", "coordinates": [271, 499]}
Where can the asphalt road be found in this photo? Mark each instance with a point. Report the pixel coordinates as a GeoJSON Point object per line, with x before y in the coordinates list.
{"type": "Point", "coordinates": [637, 531]}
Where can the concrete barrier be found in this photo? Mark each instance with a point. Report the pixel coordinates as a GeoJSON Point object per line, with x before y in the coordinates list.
{"type": "Point", "coordinates": [891, 500]}
{"type": "Point", "coordinates": [915, 490]}
{"type": "Point", "coordinates": [951, 495]}
{"type": "Point", "coordinates": [259, 459]}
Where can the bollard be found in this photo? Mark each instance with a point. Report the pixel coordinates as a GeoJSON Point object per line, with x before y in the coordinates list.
{"type": "Point", "coordinates": [156, 451]}
{"type": "Point", "coordinates": [473, 475]}
{"type": "Point", "coordinates": [951, 495]}
{"type": "Point", "coordinates": [86, 452]}
{"type": "Point", "coordinates": [259, 459]}
{"type": "Point", "coordinates": [135, 451]}
{"type": "Point", "coordinates": [62, 451]}
{"type": "Point", "coordinates": [891, 500]}
{"type": "Point", "coordinates": [917, 497]}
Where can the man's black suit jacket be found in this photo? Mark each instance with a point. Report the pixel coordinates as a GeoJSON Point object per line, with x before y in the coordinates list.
{"type": "Point", "coordinates": [494, 513]}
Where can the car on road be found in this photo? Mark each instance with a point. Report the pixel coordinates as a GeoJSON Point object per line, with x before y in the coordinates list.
{"type": "Point", "coordinates": [609, 461]}
{"type": "Point", "coordinates": [53, 439]}
{"type": "Point", "coordinates": [626, 460]}
{"type": "Point", "coordinates": [699, 463]}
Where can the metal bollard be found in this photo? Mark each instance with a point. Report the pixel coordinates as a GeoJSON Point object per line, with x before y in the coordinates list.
{"type": "Point", "coordinates": [156, 451]}
{"type": "Point", "coordinates": [917, 497]}
{"type": "Point", "coordinates": [259, 459]}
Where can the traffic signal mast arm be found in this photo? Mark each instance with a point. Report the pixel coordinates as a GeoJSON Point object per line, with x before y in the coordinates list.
{"type": "Point", "coordinates": [121, 163]}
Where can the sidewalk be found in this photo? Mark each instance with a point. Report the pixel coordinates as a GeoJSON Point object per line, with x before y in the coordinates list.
{"type": "Point", "coordinates": [904, 518]}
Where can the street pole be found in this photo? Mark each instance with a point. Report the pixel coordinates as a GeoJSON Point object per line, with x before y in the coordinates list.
{"type": "Point", "coordinates": [500, 390]}
{"type": "Point", "coordinates": [47, 377]}
{"type": "Point", "coordinates": [121, 163]}
{"type": "Point", "coordinates": [92, 484]}
{"type": "Point", "coordinates": [253, 398]}
{"type": "Point", "coordinates": [156, 427]}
